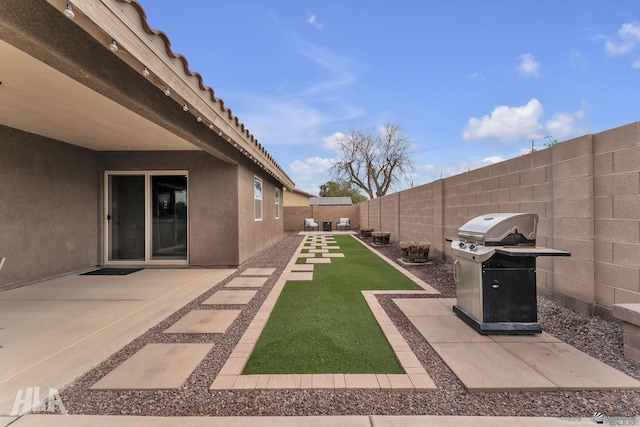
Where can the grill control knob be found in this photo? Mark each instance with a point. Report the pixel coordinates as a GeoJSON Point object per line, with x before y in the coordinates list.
{"type": "Point", "coordinates": [472, 247]}
{"type": "Point", "coordinates": [461, 245]}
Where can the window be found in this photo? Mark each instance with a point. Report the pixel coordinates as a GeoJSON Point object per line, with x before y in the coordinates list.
{"type": "Point", "coordinates": [277, 203]}
{"type": "Point", "coordinates": [257, 198]}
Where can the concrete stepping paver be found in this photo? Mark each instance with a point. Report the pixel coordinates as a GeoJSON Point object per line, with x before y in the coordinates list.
{"type": "Point", "coordinates": [204, 322]}
{"type": "Point", "coordinates": [306, 255]}
{"type": "Point", "coordinates": [258, 272]}
{"type": "Point", "coordinates": [333, 255]}
{"type": "Point", "coordinates": [246, 282]}
{"type": "Point", "coordinates": [318, 260]}
{"type": "Point", "coordinates": [155, 366]}
{"type": "Point", "coordinates": [297, 275]}
{"type": "Point", "coordinates": [302, 267]}
{"type": "Point", "coordinates": [230, 297]}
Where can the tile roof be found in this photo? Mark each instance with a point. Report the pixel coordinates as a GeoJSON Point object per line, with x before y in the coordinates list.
{"type": "Point", "coordinates": [225, 110]}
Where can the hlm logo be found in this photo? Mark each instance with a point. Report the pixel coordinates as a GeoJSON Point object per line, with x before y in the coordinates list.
{"type": "Point", "coordinates": [29, 400]}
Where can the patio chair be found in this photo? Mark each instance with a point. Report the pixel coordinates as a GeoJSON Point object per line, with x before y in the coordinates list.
{"type": "Point", "coordinates": [310, 224]}
{"type": "Point", "coordinates": [343, 224]}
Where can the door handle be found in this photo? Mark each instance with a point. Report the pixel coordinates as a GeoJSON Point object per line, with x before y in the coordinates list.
{"type": "Point", "coordinates": [108, 217]}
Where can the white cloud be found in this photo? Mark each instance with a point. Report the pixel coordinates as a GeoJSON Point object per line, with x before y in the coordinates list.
{"type": "Point", "coordinates": [493, 159]}
{"type": "Point", "coordinates": [330, 142]}
{"type": "Point", "coordinates": [521, 123]}
{"type": "Point", "coordinates": [617, 49]}
{"type": "Point", "coordinates": [636, 64]}
{"type": "Point", "coordinates": [506, 123]}
{"type": "Point", "coordinates": [310, 173]}
{"type": "Point", "coordinates": [627, 40]}
{"type": "Point", "coordinates": [313, 20]}
{"type": "Point", "coordinates": [577, 60]}
{"type": "Point", "coordinates": [529, 67]}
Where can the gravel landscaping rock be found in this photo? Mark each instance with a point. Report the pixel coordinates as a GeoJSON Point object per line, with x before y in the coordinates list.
{"type": "Point", "coordinates": [595, 336]}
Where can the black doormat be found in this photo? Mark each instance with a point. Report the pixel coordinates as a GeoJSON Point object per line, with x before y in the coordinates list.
{"type": "Point", "coordinates": [111, 272]}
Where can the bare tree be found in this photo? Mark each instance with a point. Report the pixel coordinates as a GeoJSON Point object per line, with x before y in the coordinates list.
{"type": "Point", "coordinates": [374, 162]}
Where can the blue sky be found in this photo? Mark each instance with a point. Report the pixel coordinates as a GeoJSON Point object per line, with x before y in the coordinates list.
{"type": "Point", "coordinates": [470, 82]}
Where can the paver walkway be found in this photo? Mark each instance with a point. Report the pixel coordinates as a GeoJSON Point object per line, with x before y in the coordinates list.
{"type": "Point", "coordinates": [483, 363]}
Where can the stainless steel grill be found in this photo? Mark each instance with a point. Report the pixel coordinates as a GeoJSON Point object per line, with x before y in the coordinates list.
{"type": "Point", "coordinates": [495, 273]}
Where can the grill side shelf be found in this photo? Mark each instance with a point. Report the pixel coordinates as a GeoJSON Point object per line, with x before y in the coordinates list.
{"type": "Point", "coordinates": [530, 251]}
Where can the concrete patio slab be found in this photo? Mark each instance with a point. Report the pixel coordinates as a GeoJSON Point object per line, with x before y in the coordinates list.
{"type": "Point", "coordinates": [135, 421]}
{"type": "Point", "coordinates": [204, 322]}
{"type": "Point", "coordinates": [231, 297]}
{"type": "Point", "coordinates": [246, 282]}
{"type": "Point", "coordinates": [446, 329]}
{"type": "Point", "coordinates": [87, 319]}
{"type": "Point", "coordinates": [448, 421]}
{"type": "Point", "coordinates": [258, 272]}
{"type": "Point", "coordinates": [536, 338]}
{"type": "Point", "coordinates": [495, 362]}
{"type": "Point", "coordinates": [5, 421]}
{"type": "Point", "coordinates": [571, 369]}
{"type": "Point", "coordinates": [487, 366]}
{"type": "Point", "coordinates": [155, 366]}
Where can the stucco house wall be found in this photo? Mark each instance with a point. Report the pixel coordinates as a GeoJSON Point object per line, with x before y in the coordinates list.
{"type": "Point", "coordinates": [296, 198]}
{"type": "Point", "coordinates": [48, 206]}
{"type": "Point", "coordinates": [83, 109]}
{"type": "Point", "coordinates": [213, 206]}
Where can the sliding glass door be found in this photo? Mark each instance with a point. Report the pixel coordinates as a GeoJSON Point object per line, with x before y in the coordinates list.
{"type": "Point", "coordinates": [146, 218]}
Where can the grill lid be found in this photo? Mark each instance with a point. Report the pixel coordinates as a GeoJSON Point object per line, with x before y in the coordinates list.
{"type": "Point", "coordinates": [501, 229]}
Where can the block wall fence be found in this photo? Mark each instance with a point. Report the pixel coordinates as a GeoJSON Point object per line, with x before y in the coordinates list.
{"type": "Point", "coordinates": [294, 216]}
{"type": "Point", "coordinates": [586, 192]}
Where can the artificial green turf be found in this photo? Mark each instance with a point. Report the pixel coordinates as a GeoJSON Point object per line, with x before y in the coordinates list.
{"type": "Point", "coordinates": [326, 326]}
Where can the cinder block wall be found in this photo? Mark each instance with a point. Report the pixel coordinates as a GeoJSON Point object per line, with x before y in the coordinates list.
{"type": "Point", "coordinates": [294, 216]}
{"type": "Point", "coordinates": [586, 192]}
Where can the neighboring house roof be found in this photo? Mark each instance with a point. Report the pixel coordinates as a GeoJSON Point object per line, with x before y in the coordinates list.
{"type": "Point", "coordinates": [330, 201]}
{"type": "Point", "coordinates": [100, 111]}
{"type": "Point", "coordinates": [303, 193]}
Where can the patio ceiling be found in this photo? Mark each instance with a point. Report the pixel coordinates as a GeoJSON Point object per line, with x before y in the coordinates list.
{"type": "Point", "coordinates": [39, 99]}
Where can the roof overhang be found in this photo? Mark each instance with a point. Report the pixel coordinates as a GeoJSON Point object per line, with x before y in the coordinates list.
{"type": "Point", "coordinates": [41, 94]}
